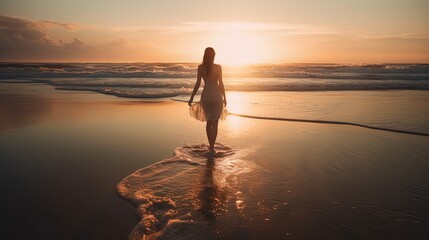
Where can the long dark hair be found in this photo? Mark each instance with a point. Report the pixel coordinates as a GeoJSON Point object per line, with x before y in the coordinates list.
{"type": "Point", "coordinates": [208, 59]}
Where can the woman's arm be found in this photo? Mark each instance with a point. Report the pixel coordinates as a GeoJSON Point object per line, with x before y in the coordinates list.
{"type": "Point", "coordinates": [222, 88]}
{"type": "Point", "coordinates": [197, 85]}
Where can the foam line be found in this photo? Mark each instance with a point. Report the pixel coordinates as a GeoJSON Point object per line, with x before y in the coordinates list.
{"type": "Point", "coordinates": [322, 121]}
{"type": "Point", "coordinates": [329, 122]}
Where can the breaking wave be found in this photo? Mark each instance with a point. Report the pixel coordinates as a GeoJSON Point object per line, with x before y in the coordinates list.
{"type": "Point", "coordinates": [156, 80]}
{"type": "Point", "coordinates": [188, 70]}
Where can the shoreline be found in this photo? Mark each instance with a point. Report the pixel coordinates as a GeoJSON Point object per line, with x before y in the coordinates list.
{"type": "Point", "coordinates": [87, 142]}
{"type": "Point", "coordinates": [321, 121]}
{"type": "Point", "coordinates": [331, 122]}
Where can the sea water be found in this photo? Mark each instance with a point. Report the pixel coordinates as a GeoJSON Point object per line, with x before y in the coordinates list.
{"type": "Point", "coordinates": [292, 181]}
{"type": "Point", "coordinates": [342, 93]}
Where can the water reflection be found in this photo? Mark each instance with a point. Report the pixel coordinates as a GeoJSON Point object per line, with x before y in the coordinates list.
{"type": "Point", "coordinates": [18, 110]}
{"type": "Point", "coordinates": [210, 195]}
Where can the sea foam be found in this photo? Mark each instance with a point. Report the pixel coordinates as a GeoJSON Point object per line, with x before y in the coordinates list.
{"type": "Point", "coordinates": [174, 197]}
{"type": "Point", "coordinates": [188, 70]}
{"type": "Point", "coordinates": [157, 80]}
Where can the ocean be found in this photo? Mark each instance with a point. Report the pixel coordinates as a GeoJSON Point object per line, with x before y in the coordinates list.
{"type": "Point", "coordinates": [308, 92]}
{"type": "Point", "coordinates": [287, 165]}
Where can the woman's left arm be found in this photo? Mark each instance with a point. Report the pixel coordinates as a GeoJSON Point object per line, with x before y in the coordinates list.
{"type": "Point", "coordinates": [197, 85]}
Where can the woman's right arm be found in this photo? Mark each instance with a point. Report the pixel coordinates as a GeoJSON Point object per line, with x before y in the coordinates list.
{"type": "Point", "coordinates": [221, 86]}
{"type": "Point", "coordinates": [197, 85]}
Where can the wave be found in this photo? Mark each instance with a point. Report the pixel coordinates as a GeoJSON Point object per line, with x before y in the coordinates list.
{"type": "Point", "coordinates": [272, 192]}
{"type": "Point", "coordinates": [132, 92]}
{"type": "Point", "coordinates": [151, 80]}
{"type": "Point", "coordinates": [253, 84]}
{"type": "Point", "coordinates": [188, 70]}
{"type": "Point", "coordinates": [170, 87]}
{"type": "Point", "coordinates": [175, 196]}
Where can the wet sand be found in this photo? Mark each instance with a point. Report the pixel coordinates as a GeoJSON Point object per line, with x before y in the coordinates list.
{"type": "Point", "coordinates": [64, 152]}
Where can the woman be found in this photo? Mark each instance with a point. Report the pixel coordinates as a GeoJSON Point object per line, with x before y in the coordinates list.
{"type": "Point", "coordinates": [213, 99]}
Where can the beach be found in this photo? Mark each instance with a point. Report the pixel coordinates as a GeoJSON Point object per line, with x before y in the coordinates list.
{"type": "Point", "coordinates": [214, 120]}
{"type": "Point", "coordinates": [68, 158]}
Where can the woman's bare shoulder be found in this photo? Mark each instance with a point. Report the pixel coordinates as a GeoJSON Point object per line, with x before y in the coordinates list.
{"type": "Point", "coordinates": [200, 68]}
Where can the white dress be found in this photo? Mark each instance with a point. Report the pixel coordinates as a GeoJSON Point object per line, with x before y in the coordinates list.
{"type": "Point", "coordinates": [210, 107]}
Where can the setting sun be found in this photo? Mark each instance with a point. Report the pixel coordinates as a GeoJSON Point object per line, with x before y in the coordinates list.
{"type": "Point", "coordinates": [235, 46]}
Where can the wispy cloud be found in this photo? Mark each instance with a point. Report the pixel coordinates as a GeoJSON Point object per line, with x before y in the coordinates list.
{"type": "Point", "coordinates": [395, 37]}
{"type": "Point", "coordinates": [242, 27]}
{"type": "Point", "coordinates": [52, 24]}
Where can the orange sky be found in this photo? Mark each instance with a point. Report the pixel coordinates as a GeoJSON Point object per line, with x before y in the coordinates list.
{"type": "Point", "coordinates": [241, 32]}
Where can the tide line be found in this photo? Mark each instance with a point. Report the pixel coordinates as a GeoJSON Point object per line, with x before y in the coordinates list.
{"type": "Point", "coordinates": [330, 122]}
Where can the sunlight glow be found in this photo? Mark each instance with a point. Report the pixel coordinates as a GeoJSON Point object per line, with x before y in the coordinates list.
{"type": "Point", "coordinates": [235, 105]}
{"type": "Point", "coordinates": [235, 102]}
{"type": "Point", "coordinates": [235, 45]}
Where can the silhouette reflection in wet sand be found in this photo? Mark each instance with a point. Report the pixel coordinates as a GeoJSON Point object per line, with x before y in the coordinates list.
{"type": "Point", "coordinates": [210, 195]}
{"type": "Point", "coordinates": [184, 195]}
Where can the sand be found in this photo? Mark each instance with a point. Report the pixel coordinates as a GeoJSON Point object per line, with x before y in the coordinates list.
{"type": "Point", "coordinates": [64, 152]}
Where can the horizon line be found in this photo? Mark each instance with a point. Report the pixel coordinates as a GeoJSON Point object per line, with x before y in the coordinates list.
{"type": "Point", "coordinates": [250, 64]}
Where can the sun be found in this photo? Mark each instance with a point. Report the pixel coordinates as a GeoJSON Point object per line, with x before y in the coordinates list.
{"type": "Point", "coordinates": [237, 48]}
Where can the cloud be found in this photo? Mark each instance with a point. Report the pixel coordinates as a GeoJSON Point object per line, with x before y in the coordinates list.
{"type": "Point", "coordinates": [75, 43]}
{"type": "Point", "coordinates": [22, 32]}
{"type": "Point", "coordinates": [52, 24]}
{"type": "Point", "coordinates": [122, 41]}
{"type": "Point", "coordinates": [15, 23]}
{"type": "Point", "coordinates": [16, 29]}
{"type": "Point", "coordinates": [23, 39]}
{"type": "Point", "coordinates": [256, 27]}
{"type": "Point", "coordinates": [396, 37]}
{"type": "Point", "coordinates": [20, 29]}
{"type": "Point", "coordinates": [27, 40]}
{"type": "Point", "coordinates": [242, 27]}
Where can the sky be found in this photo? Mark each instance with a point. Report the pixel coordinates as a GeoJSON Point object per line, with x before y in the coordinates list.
{"type": "Point", "coordinates": [241, 31]}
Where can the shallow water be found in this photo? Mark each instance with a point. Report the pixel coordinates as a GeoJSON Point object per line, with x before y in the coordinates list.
{"type": "Point", "coordinates": [63, 152]}
{"type": "Point", "coordinates": [299, 181]}
{"type": "Point", "coordinates": [394, 109]}
{"type": "Point", "coordinates": [392, 96]}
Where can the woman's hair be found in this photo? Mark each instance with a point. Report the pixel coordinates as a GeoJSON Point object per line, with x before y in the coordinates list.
{"type": "Point", "coordinates": [208, 59]}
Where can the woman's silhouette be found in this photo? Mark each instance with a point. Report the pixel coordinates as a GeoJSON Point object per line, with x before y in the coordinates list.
{"type": "Point", "coordinates": [213, 99]}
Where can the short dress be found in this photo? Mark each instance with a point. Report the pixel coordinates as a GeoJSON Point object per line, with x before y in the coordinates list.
{"type": "Point", "coordinates": [210, 107]}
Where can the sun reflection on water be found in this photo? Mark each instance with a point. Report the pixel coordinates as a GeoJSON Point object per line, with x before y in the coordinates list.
{"type": "Point", "coordinates": [236, 104]}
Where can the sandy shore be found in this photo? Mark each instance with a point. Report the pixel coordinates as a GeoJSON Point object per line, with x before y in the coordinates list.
{"type": "Point", "coordinates": [64, 152]}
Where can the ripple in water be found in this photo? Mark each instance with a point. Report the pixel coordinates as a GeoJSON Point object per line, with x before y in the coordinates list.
{"type": "Point", "coordinates": [181, 197]}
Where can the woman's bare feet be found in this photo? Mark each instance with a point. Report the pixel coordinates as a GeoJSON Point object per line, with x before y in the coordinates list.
{"type": "Point", "coordinates": [211, 150]}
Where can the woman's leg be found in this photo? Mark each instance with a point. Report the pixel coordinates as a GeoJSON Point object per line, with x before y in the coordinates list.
{"type": "Point", "coordinates": [213, 133]}
{"type": "Point", "coordinates": [208, 131]}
